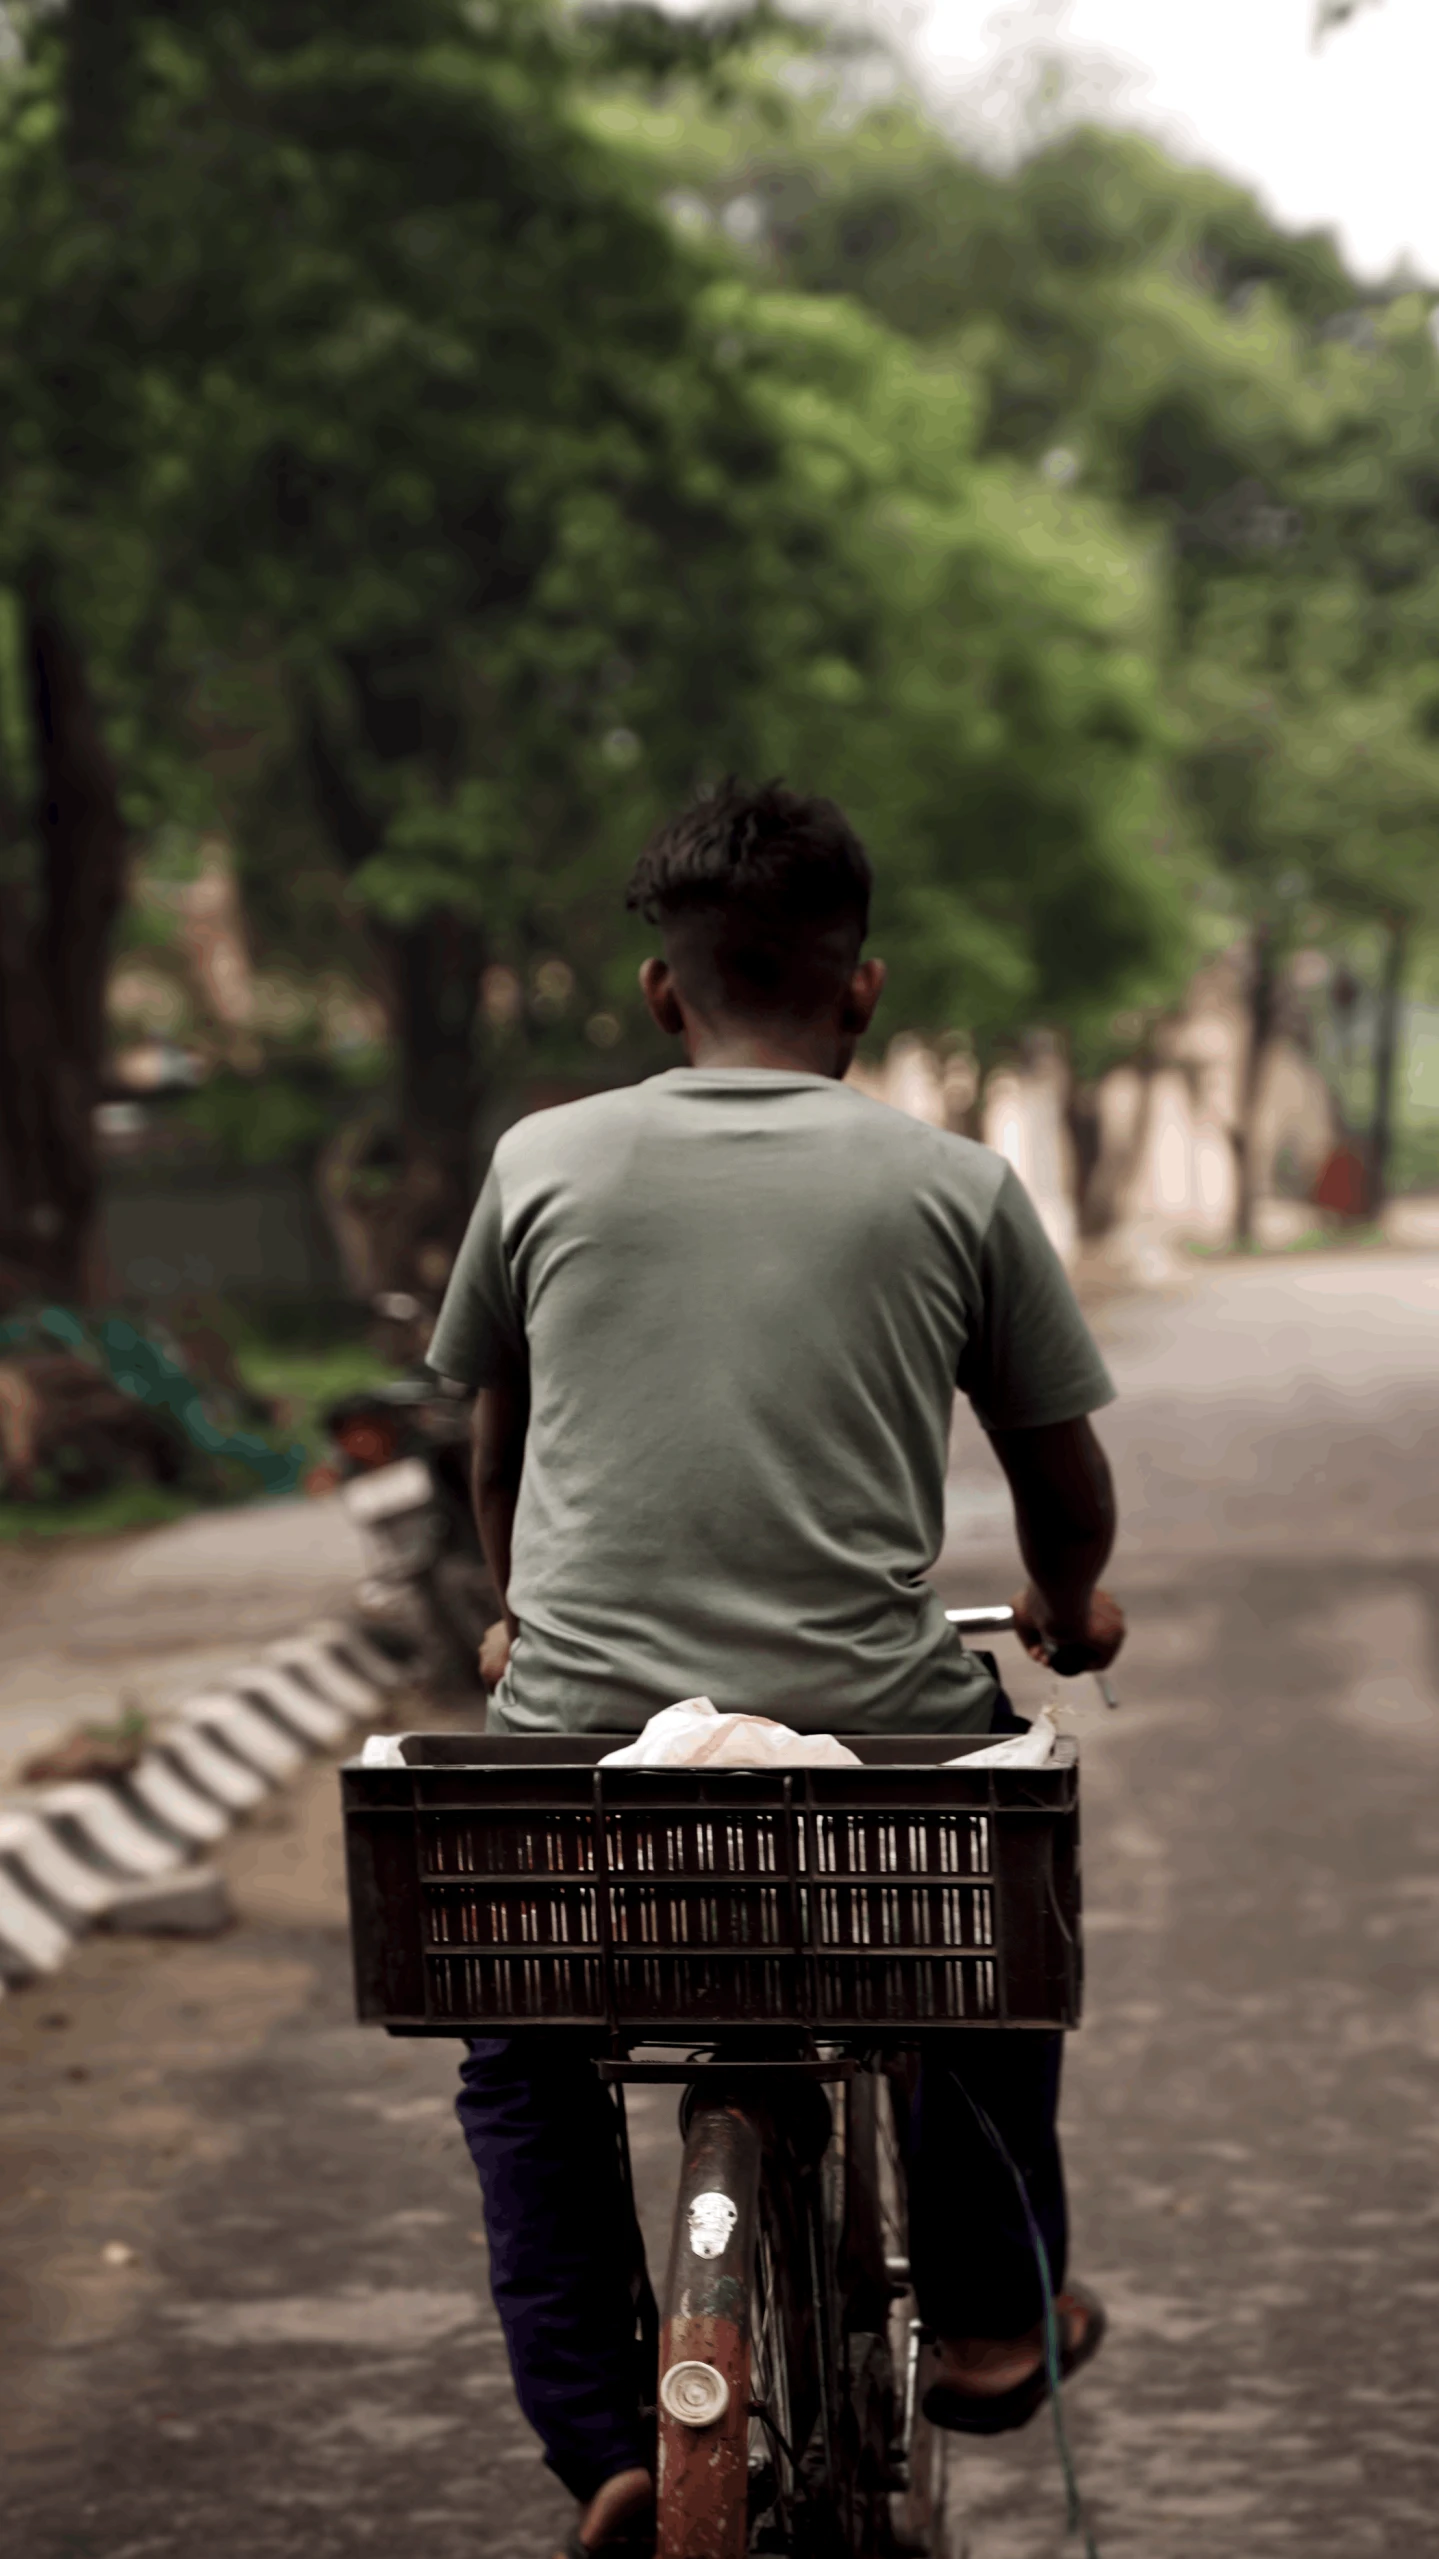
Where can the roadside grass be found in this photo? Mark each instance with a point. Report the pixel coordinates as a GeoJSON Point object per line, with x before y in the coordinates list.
{"type": "Point", "coordinates": [115, 1513]}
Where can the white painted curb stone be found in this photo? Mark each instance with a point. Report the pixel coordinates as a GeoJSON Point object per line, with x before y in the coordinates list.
{"type": "Point", "coordinates": [294, 1703]}
{"type": "Point", "coordinates": [167, 1796]}
{"type": "Point", "coordinates": [317, 1663]}
{"type": "Point", "coordinates": [118, 1854]}
{"type": "Point", "coordinates": [210, 1769]}
{"type": "Point", "coordinates": [355, 1646]}
{"type": "Point", "coordinates": [254, 1736]}
{"type": "Point", "coordinates": [29, 1936]}
{"type": "Point", "coordinates": [44, 1859]}
{"type": "Point", "coordinates": [109, 1828]}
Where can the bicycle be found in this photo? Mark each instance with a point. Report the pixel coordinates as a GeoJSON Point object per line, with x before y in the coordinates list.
{"type": "Point", "coordinates": [777, 1945]}
{"type": "Point", "coordinates": [790, 2362]}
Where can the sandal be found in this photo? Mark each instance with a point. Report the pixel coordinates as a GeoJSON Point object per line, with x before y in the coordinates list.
{"type": "Point", "coordinates": [633, 2535]}
{"type": "Point", "coordinates": [1082, 2324]}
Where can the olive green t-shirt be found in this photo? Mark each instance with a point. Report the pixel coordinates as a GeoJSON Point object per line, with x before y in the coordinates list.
{"type": "Point", "coordinates": [745, 1299]}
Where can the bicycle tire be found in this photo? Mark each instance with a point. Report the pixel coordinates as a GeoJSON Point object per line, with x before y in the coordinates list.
{"type": "Point", "coordinates": [871, 2239]}
{"type": "Point", "coordinates": [918, 2497]}
{"type": "Point", "coordinates": [792, 2482]}
{"type": "Point", "coordinates": [872, 2470]}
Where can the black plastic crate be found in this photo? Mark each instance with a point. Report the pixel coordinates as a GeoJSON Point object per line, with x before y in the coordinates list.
{"type": "Point", "coordinates": [498, 1882]}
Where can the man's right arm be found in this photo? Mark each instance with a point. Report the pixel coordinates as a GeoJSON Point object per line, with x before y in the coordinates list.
{"type": "Point", "coordinates": [498, 1424]}
{"type": "Point", "coordinates": [1064, 1512]}
{"type": "Point", "coordinates": [480, 1341]}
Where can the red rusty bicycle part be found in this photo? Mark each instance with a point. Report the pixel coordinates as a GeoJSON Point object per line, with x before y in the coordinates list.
{"type": "Point", "coordinates": [703, 2479]}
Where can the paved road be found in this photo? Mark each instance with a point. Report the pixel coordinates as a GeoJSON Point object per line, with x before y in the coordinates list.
{"type": "Point", "coordinates": [161, 1616]}
{"type": "Point", "coordinates": [298, 2361]}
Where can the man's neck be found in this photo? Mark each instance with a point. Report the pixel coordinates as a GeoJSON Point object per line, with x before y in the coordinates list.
{"type": "Point", "coordinates": [798, 1051]}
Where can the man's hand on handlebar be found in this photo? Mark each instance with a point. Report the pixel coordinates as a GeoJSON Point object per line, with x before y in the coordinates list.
{"type": "Point", "coordinates": [495, 1653]}
{"type": "Point", "coordinates": [1089, 1643]}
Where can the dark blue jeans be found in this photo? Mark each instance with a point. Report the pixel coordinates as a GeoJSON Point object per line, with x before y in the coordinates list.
{"type": "Point", "coordinates": [567, 2261]}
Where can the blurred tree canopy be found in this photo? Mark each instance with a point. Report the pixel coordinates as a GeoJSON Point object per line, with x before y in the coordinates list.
{"type": "Point", "coordinates": [1262, 427]}
{"type": "Point", "coordinates": [406, 484]}
{"type": "Point", "coordinates": [439, 439]}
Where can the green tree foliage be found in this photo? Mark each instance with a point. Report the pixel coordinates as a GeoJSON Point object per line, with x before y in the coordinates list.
{"type": "Point", "coordinates": [996, 734]}
{"type": "Point", "coordinates": [422, 489]}
{"type": "Point", "coordinates": [1262, 425]}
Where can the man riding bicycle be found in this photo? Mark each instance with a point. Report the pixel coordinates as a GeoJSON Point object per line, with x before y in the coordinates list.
{"type": "Point", "coordinates": [716, 1322]}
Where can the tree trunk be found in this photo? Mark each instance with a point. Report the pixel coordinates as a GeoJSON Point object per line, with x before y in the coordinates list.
{"type": "Point", "coordinates": [1085, 1141]}
{"type": "Point", "coordinates": [55, 936]}
{"type": "Point", "coordinates": [1386, 1054]}
{"type": "Point", "coordinates": [433, 971]}
{"type": "Point", "coordinates": [59, 906]}
{"type": "Point", "coordinates": [1108, 1159]}
{"type": "Point", "coordinates": [1263, 1011]}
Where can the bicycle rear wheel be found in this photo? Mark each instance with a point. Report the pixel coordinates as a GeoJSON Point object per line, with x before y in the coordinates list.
{"type": "Point", "coordinates": [794, 2453]}
{"type": "Point", "coordinates": [871, 2471]}
{"type": "Point", "coordinates": [918, 2471]}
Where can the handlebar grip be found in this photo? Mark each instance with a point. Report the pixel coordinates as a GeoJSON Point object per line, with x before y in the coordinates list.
{"type": "Point", "coordinates": [1069, 1660]}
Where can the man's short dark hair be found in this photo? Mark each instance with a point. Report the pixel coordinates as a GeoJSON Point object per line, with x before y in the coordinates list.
{"type": "Point", "coordinates": [762, 896]}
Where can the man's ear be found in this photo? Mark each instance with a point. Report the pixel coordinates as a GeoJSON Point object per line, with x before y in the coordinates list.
{"type": "Point", "coordinates": [658, 989]}
{"type": "Point", "coordinates": [861, 996]}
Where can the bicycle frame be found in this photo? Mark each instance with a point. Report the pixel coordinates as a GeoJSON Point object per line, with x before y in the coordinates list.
{"type": "Point", "coordinates": [704, 2384]}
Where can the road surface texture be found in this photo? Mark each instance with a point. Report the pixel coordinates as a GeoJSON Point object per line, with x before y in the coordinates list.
{"type": "Point", "coordinates": [159, 1617]}
{"type": "Point", "coordinates": [245, 2311]}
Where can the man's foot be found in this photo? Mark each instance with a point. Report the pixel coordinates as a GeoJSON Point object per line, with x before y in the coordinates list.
{"type": "Point", "coordinates": [989, 2385]}
{"type": "Point", "coordinates": [621, 2519]}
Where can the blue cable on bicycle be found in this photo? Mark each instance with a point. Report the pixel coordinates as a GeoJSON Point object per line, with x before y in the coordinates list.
{"type": "Point", "coordinates": [1076, 2518]}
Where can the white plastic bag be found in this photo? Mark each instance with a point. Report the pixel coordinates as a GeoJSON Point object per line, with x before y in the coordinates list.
{"type": "Point", "coordinates": [694, 1734]}
{"type": "Point", "coordinates": [382, 1750]}
{"type": "Point", "coordinates": [1033, 1748]}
